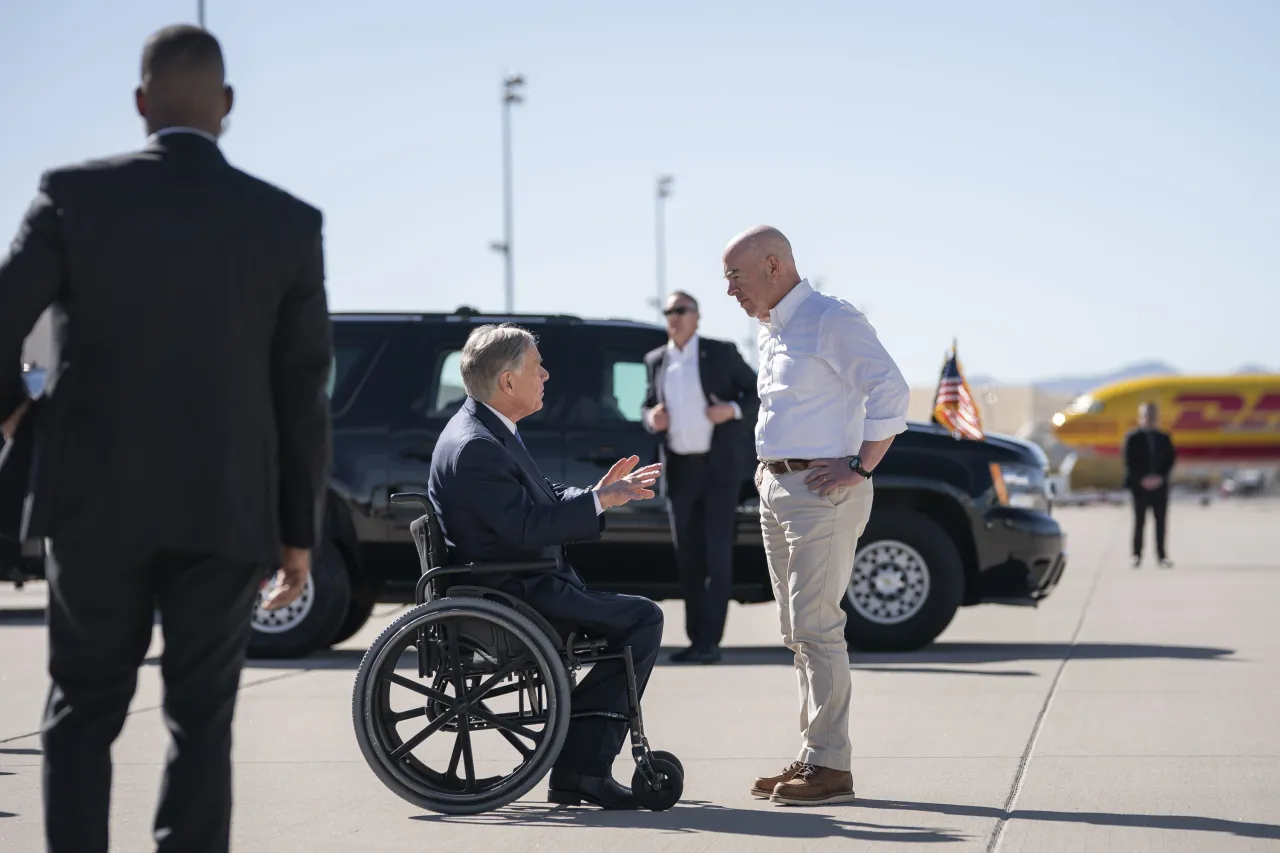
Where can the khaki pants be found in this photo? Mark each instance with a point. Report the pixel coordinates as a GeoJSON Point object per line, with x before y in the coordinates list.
{"type": "Point", "coordinates": [810, 542]}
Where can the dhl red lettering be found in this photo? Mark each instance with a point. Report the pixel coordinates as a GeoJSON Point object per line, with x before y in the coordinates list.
{"type": "Point", "coordinates": [1265, 415]}
{"type": "Point", "coordinates": [1207, 411]}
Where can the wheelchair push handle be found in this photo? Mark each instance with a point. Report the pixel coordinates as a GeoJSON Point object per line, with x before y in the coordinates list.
{"type": "Point", "coordinates": [412, 498]}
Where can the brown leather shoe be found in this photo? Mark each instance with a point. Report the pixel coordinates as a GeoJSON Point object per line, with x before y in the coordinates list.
{"type": "Point", "coordinates": [764, 785]}
{"type": "Point", "coordinates": [812, 785]}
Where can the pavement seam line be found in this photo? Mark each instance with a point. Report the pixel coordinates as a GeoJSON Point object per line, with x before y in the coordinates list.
{"type": "Point", "coordinates": [243, 687]}
{"type": "Point", "coordinates": [997, 834]}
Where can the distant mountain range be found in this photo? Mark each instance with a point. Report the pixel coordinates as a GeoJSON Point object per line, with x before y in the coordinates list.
{"type": "Point", "coordinates": [1074, 385]}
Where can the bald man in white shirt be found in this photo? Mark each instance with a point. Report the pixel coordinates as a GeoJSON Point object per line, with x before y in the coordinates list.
{"type": "Point", "coordinates": [831, 402]}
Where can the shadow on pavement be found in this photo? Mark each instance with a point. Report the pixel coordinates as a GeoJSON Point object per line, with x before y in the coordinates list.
{"type": "Point", "coordinates": [20, 751]}
{"type": "Point", "coordinates": [701, 816]}
{"type": "Point", "coordinates": [22, 616]}
{"type": "Point", "coordinates": [904, 662]}
{"type": "Point", "coordinates": [976, 653]}
{"type": "Point", "coordinates": [1177, 823]}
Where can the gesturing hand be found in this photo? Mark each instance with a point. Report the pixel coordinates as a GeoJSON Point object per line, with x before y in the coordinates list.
{"type": "Point", "coordinates": [622, 485]}
{"type": "Point", "coordinates": [827, 475]}
{"type": "Point", "coordinates": [620, 469]}
{"type": "Point", "coordinates": [719, 412]}
{"type": "Point", "coordinates": [658, 417]}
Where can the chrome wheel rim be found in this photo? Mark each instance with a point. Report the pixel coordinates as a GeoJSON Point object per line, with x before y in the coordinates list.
{"type": "Point", "coordinates": [890, 582]}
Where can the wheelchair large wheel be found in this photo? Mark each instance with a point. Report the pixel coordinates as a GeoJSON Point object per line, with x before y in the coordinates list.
{"type": "Point", "coordinates": [429, 738]}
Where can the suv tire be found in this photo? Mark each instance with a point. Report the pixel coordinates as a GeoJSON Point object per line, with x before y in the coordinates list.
{"type": "Point", "coordinates": [906, 586]}
{"type": "Point", "coordinates": [311, 621]}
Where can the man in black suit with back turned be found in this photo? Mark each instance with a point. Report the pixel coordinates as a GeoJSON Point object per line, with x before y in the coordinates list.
{"type": "Point", "coordinates": [494, 505]}
{"type": "Point", "coordinates": [702, 398]}
{"type": "Point", "coordinates": [1148, 458]}
{"type": "Point", "coordinates": [181, 440]}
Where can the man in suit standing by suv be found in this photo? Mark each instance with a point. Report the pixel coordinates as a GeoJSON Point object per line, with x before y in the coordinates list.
{"type": "Point", "coordinates": [1148, 458]}
{"type": "Point", "coordinates": [701, 398]}
{"type": "Point", "coordinates": [180, 442]}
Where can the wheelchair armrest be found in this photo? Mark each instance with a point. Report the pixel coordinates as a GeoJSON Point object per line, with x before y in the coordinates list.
{"type": "Point", "coordinates": [504, 568]}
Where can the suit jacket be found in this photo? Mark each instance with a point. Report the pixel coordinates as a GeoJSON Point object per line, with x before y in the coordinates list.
{"type": "Point", "coordinates": [495, 506]}
{"type": "Point", "coordinates": [727, 376]}
{"type": "Point", "coordinates": [186, 405]}
{"type": "Point", "coordinates": [1147, 453]}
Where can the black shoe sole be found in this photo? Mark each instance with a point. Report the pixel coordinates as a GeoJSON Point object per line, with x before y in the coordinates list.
{"type": "Point", "coordinates": [576, 798]}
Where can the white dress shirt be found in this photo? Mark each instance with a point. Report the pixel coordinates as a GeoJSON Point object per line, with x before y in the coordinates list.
{"type": "Point", "coordinates": [688, 427]}
{"type": "Point", "coordinates": [511, 425]}
{"type": "Point", "coordinates": [826, 383]}
{"type": "Point", "coordinates": [689, 430]}
{"type": "Point", "coordinates": [165, 131]}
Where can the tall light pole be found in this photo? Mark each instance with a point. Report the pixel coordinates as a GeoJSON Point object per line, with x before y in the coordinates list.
{"type": "Point", "coordinates": [660, 239]}
{"type": "Point", "coordinates": [511, 87]}
{"type": "Point", "coordinates": [200, 13]}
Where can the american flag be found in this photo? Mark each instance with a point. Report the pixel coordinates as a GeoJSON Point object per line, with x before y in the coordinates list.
{"type": "Point", "coordinates": [953, 404]}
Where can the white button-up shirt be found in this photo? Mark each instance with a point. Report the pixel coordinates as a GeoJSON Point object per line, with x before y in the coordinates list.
{"type": "Point", "coordinates": [688, 427]}
{"type": "Point", "coordinates": [826, 383]}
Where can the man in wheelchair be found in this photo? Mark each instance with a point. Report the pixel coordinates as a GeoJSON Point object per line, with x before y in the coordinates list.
{"type": "Point", "coordinates": [495, 506]}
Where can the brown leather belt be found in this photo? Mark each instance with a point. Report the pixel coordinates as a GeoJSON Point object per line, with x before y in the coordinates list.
{"type": "Point", "coordinates": [786, 466]}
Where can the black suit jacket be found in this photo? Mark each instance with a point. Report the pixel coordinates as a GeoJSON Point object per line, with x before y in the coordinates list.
{"type": "Point", "coordinates": [1140, 461]}
{"type": "Point", "coordinates": [186, 407]}
{"type": "Point", "coordinates": [493, 503]}
{"type": "Point", "coordinates": [727, 376]}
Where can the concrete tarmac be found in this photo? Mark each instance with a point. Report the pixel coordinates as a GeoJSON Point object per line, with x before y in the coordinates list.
{"type": "Point", "coordinates": [1135, 710]}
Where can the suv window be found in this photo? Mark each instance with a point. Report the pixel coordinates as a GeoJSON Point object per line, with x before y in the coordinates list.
{"type": "Point", "coordinates": [624, 388]}
{"type": "Point", "coordinates": [449, 392]}
{"type": "Point", "coordinates": [355, 348]}
{"type": "Point", "coordinates": [440, 392]}
{"type": "Point", "coordinates": [613, 390]}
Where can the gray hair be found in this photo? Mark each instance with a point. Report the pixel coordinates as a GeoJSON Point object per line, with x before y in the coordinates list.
{"type": "Point", "coordinates": [490, 351]}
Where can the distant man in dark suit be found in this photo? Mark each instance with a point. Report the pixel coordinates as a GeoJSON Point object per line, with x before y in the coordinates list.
{"type": "Point", "coordinates": [181, 442]}
{"type": "Point", "coordinates": [1148, 458]}
{"type": "Point", "coordinates": [495, 506]}
{"type": "Point", "coordinates": [701, 398]}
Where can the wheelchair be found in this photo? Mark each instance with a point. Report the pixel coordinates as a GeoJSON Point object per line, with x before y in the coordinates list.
{"type": "Point", "coordinates": [458, 655]}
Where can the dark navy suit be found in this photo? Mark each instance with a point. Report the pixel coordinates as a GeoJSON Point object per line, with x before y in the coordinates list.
{"type": "Point", "coordinates": [494, 505]}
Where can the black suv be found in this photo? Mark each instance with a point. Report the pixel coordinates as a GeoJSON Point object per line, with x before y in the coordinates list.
{"type": "Point", "coordinates": [954, 522]}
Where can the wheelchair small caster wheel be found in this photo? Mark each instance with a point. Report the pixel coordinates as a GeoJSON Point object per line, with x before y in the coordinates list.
{"type": "Point", "coordinates": [669, 789]}
{"type": "Point", "coordinates": [668, 756]}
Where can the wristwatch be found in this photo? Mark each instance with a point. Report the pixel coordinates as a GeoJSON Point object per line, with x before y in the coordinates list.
{"type": "Point", "coordinates": [855, 465]}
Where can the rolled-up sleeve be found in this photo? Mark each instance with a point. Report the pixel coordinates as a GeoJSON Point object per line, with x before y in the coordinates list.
{"type": "Point", "coordinates": [851, 346]}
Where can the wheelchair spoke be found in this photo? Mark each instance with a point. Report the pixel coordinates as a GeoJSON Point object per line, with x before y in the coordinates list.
{"type": "Point", "coordinates": [401, 716]}
{"type": "Point", "coordinates": [427, 732]}
{"type": "Point", "coordinates": [504, 725]}
{"type": "Point", "coordinates": [480, 692]}
{"type": "Point", "coordinates": [436, 695]}
{"type": "Point", "coordinates": [464, 720]}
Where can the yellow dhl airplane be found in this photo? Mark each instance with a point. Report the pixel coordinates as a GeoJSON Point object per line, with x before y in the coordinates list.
{"type": "Point", "coordinates": [1216, 422]}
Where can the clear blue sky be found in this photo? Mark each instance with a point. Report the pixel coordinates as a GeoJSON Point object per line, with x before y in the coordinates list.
{"type": "Point", "coordinates": [1064, 187]}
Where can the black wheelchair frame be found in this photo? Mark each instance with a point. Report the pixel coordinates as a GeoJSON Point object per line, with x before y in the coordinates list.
{"type": "Point", "coordinates": [486, 620]}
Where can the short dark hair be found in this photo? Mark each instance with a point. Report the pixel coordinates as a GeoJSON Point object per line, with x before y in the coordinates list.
{"type": "Point", "coordinates": [181, 47]}
{"type": "Point", "coordinates": [686, 295]}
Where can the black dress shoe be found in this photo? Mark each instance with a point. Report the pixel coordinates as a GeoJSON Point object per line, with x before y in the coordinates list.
{"type": "Point", "coordinates": [693, 654]}
{"type": "Point", "coordinates": [568, 788]}
{"type": "Point", "coordinates": [711, 655]}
